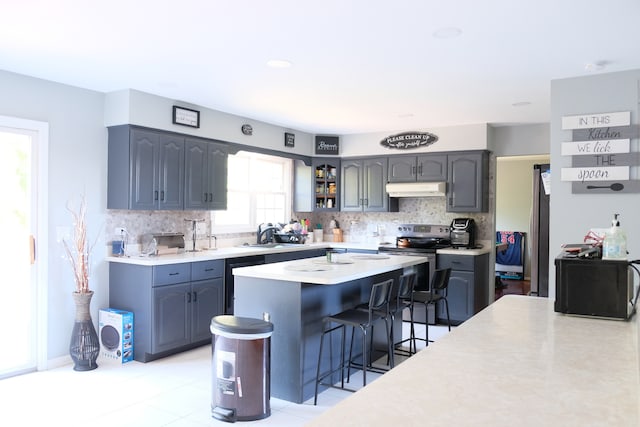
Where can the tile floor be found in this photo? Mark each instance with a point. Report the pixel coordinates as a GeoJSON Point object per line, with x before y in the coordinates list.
{"type": "Point", "coordinates": [174, 391]}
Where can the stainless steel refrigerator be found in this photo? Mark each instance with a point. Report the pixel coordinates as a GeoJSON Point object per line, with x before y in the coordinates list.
{"type": "Point", "coordinates": [539, 231]}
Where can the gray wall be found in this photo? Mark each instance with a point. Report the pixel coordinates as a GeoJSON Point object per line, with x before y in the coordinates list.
{"type": "Point", "coordinates": [77, 165]}
{"type": "Point", "coordinates": [572, 215]}
{"type": "Point", "coordinates": [519, 140]}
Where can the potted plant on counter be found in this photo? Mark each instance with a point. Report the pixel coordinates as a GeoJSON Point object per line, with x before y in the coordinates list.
{"type": "Point", "coordinates": [85, 346]}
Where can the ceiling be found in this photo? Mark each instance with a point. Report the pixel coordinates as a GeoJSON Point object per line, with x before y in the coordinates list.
{"type": "Point", "coordinates": [357, 66]}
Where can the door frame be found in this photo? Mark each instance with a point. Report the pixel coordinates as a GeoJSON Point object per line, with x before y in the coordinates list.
{"type": "Point", "coordinates": [39, 199]}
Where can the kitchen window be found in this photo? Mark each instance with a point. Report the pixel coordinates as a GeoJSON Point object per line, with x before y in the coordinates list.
{"type": "Point", "coordinates": [258, 191]}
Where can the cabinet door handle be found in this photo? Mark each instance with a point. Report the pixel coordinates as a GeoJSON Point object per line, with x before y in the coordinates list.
{"type": "Point", "coordinates": [209, 269]}
{"type": "Point", "coordinates": [195, 297]}
{"type": "Point", "coordinates": [205, 197]}
{"type": "Point", "coordinates": [188, 297]}
{"type": "Point", "coordinates": [366, 202]}
{"type": "Point", "coordinates": [211, 197]}
{"type": "Point", "coordinates": [420, 170]}
{"type": "Point", "coordinates": [413, 170]}
{"type": "Point", "coordinates": [155, 195]}
{"type": "Point", "coordinates": [162, 195]}
{"type": "Point", "coordinates": [173, 274]}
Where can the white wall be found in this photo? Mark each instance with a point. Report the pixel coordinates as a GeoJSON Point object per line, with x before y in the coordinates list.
{"type": "Point", "coordinates": [77, 165]}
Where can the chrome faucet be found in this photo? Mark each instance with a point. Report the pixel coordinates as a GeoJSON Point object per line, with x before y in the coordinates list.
{"type": "Point", "coordinates": [265, 231]}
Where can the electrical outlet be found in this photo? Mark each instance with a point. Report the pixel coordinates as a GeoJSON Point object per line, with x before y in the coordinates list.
{"type": "Point", "coordinates": [119, 231]}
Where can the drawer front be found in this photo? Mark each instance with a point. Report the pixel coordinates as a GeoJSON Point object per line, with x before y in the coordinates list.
{"type": "Point", "coordinates": [203, 270]}
{"type": "Point", "coordinates": [456, 262]}
{"type": "Point", "coordinates": [171, 273]}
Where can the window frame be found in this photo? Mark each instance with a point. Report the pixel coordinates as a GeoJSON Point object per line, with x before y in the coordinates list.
{"type": "Point", "coordinates": [288, 184]}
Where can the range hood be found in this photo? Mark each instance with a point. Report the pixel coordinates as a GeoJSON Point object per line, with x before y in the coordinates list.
{"type": "Point", "coordinates": [417, 189]}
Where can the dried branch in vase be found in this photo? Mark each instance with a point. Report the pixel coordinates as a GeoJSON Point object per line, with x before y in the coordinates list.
{"type": "Point", "coordinates": [77, 250]}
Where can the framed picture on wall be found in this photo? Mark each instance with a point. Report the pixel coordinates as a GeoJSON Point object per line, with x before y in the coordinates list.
{"type": "Point", "coordinates": [289, 139]}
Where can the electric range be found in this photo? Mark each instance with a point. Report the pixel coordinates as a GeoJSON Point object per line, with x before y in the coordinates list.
{"type": "Point", "coordinates": [420, 240]}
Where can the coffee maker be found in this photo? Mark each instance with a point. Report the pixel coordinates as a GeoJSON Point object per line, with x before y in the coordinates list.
{"type": "Point", "coordinates": [463, 233]}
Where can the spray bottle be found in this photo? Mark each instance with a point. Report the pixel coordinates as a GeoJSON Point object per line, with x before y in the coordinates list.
{"type": "Point", "coordinates": [615, 242]}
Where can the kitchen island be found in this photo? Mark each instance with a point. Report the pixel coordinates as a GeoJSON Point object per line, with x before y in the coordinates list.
{"type": "Point", "coordinates": [297, 295]}
{"type": "Point", "coordinates": [515, 363]}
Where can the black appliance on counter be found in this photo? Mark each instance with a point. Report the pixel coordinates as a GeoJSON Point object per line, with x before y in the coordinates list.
{"type": "Point", "coordinates": [420, 240]}
{"type": "Point", "coordinates": [463, 233]}
{"type": "Point", "coordinates": [229, 265]}
{"type": "Point", "coordinates": [594, 287]}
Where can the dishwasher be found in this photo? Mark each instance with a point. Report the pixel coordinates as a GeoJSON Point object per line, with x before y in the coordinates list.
{"type": "Point", "coordinates": [229, 265]}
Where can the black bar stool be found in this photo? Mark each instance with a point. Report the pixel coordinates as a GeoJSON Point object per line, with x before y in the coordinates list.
{"type": "Point", "coordinates": [404, 299]}
{"type": "Point", "coordinates": [437, 292]}
{"type": "Point", "coordinates": [378, 309]}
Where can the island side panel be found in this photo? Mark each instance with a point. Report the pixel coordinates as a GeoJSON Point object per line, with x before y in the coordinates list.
{"type": "Point", "coordinates": [296, 311]}
{"type": "Point", "coordinates": [281, 299]}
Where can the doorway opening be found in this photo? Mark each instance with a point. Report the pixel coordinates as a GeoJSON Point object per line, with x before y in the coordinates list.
{"type": "Point", "coordinates": [516, 211]}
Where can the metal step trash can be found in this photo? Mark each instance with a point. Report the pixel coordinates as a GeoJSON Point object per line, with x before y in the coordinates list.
{"type": "Point", "coordinates": [241, 361]}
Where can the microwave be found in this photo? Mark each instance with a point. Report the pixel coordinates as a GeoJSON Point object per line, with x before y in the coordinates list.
{"type": "Point", "coordinates": [594, 287]}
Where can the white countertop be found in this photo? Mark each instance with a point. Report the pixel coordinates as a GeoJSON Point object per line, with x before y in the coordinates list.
{"type": "Point", "coordinates": [484, 247]}
{"type": "Point", "coordinates": [516, 363]}
{"type": "Point", "coordinates": [351, 266]}
{"type": "Point", "coordinates": [231, 252]}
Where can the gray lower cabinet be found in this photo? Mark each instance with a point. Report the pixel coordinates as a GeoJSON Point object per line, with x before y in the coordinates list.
{"type": "Point", "coordinates": [468, 182]}
{"type": "Point", "coordinates": [145, 169]}
{"type": "Point", "coordinates": [172, 304]}
{"type": "Point", "coordinates": [468, 290]}
{"type": "Point", "coordinates": [362, 186]}
{"type": "Point", "coordinates": [205, 175]}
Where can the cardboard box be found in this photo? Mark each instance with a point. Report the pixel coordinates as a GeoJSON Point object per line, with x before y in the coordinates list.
{"type": "Point", "coordinates": [116, 335]}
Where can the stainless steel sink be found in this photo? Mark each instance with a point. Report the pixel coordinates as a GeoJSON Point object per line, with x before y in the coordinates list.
{"type": "Point", "coordinates": [269, 245]}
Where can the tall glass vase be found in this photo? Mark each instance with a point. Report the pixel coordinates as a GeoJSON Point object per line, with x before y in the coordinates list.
{"type": "Point", "coordinates": [85, 346]}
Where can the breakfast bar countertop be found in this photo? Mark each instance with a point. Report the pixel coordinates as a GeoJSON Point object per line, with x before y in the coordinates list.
{"type": "Point", "coordinates": [319, 271]}
{"type": "Point", "coordinates": [517, 362]}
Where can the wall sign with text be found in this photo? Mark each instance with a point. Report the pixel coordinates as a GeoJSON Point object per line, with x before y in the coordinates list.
{"type": "Point", "coordinates": [602, 154]}
{"type": "Point", "coordinates": [327, 145]}
{"type": "Point", "coordinates": [408, 140]}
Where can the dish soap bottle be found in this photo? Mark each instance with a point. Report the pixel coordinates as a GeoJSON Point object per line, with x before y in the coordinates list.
{"type": "Point", "coordinates": [614, 245]}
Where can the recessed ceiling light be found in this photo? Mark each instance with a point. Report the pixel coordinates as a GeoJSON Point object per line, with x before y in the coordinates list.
{"type": "Point", "coordinates": [447, 33]}
{"type": "Point", "coordinates": [521, 104]}
{"type": "Point", "coordinates": [596, 66]}
{"type": "Point", "coordinates": [278, 63]}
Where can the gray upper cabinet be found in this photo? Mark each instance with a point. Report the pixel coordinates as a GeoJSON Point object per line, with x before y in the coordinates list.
{"type": "Point", "coordinates": [205, 175]}
{"type": "Point", "coordinates": [468, 181]}
{"type": "Point", "coordinates": [154, 170]}
{"type": "Point", "coordinates": [145, 170]}
{"type": "Point", "coordinates": [363, 186]}
{"type": "Point", "coordinates": [424, 168]}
